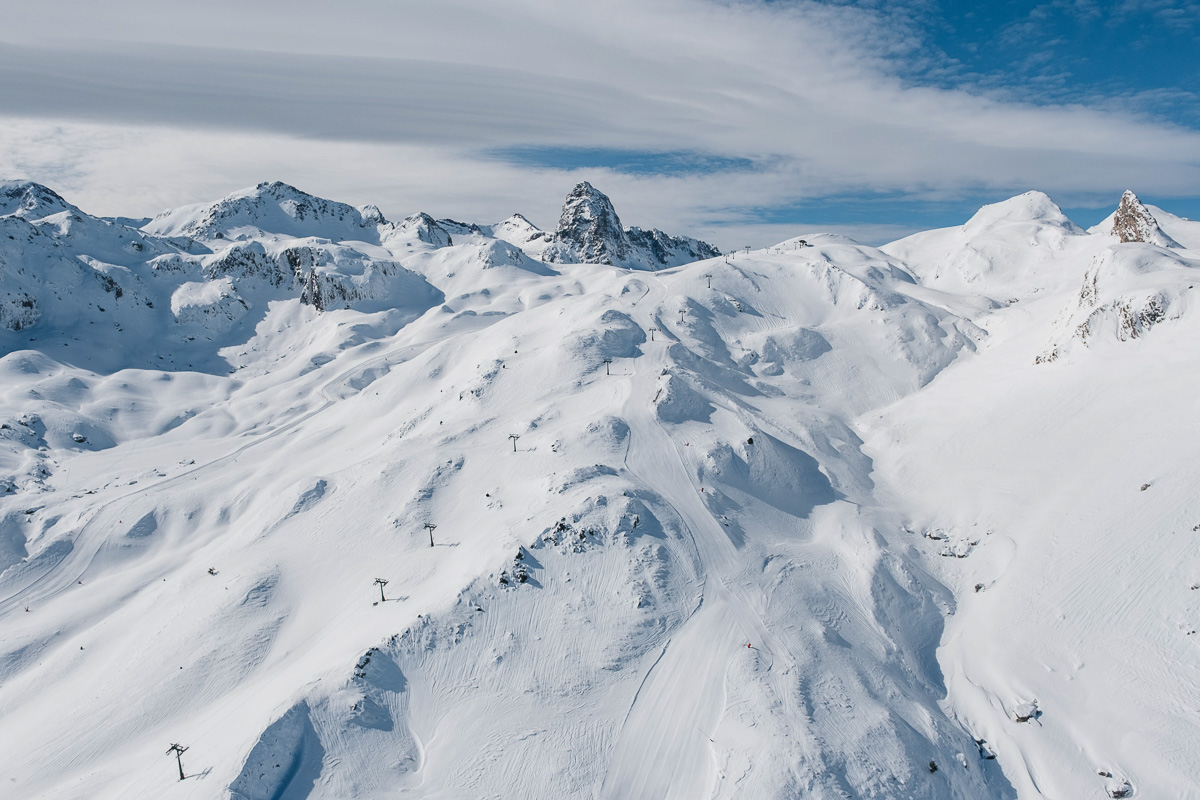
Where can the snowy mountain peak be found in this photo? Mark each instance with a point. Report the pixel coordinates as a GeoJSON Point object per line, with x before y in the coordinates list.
{"type": "Point", "coordinates": [1133, 222]}
{"type": "Point", "coordinates": [1030, 207]}
{"type": "Point", "coordinates": [273, 207]}
{"type": "Point", "coordinates": [30, 200]}
{"type": "Point", "coordinates": [372, 215]}
{"type": "Point", "coordinates": [517, 230]}
{"type": "Point", "coordinates": [425, 229]}
{"type": "Point", "coordinates": [1005, 251]}
{"type": "Point", "coordinates": [589, 231]}
{"type": "Point", "coordinates": [519, 221]}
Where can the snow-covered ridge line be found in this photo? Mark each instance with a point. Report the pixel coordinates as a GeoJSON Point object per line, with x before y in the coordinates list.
{"type": "Point", "coordinates": [354, 508]}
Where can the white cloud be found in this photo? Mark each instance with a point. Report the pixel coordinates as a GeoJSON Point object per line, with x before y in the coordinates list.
{"type": "Point", "coordinates": [394, 102]}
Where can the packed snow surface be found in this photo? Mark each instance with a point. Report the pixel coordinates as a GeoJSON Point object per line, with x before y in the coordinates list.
{"type": "Point", "coordinates": [352, 508]}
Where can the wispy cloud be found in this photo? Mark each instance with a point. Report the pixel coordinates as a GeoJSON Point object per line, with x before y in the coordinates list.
{"type": "Point", "coordinates": [690, 112]}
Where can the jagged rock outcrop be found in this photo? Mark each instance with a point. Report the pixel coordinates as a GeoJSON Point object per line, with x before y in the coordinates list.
{"type": "Point", "coordinates": [18, 310]}
{"type": "Point", "coordinates": [1125, 293]}
{"type": "Point", "coordinates": [323, 276]}
{"type": "Point", "coordinates": [670, 250]}
{"type": "Point", "coordinates": [1133, 222]}
{"type": "Point", "coordinates": [456, 228]}
{"type": "Point", "coordinates": [590, 232]}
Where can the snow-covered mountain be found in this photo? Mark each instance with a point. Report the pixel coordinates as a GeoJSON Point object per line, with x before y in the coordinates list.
{"type": "Point", "coordinates": [30, 201]}
{"type": "Point", "coordinates": [354, 508]}
{"type": "Point", "coordinates": [275, 208]}
{"type": "Point", "coordinates": [590, 232]}
{"type": "Point", "coordinates": [1010, 250]}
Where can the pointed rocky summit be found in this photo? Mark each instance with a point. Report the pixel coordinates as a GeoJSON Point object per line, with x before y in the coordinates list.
{"type": "Point", "coordinates": [1133, 222]}
{"type": "Point", "coordinates": [590, 228]}
{"type": "Point", "coordinates": [590, 232]}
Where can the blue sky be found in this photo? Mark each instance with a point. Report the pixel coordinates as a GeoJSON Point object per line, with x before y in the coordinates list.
{"type": "Point", "coordinates": [741, 121]}
{"type": "Point", "coordinates": [1138, 55]}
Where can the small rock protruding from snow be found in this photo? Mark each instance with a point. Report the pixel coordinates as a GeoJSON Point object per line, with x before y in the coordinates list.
{"type": "Point", "coordinates": [1133, 222]}
{"type": "Point", "coordinates": [1026, 712]}
{"type": "Point", "coordinates": [1117, 787]}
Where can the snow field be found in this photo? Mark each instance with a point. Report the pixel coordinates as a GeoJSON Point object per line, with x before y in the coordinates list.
{"type": "Point", "coordinates": [816, 451]}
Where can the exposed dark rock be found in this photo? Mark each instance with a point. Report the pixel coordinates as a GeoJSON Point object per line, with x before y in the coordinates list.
{"type": "Point", "coordinates": [589, 229]}
{"type": "Point", "coordinates": [590, 232]}
{"type": "Point", "coordinates": [1133, 222]}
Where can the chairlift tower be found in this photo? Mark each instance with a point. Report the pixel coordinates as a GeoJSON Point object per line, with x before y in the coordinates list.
{"type": "Point", "coordinates": [178, 750]}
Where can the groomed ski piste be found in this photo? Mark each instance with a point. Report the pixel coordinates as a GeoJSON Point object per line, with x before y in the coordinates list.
{"type": "Point", "coordinates": [819, 520]}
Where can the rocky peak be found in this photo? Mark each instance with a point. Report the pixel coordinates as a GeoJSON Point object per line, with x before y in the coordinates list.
{"type": "Point", "coordinates": [301, 205]}
{"type": "Point", "coordinates": [31, 201]}
{"type": "Point", "coordinates": [372, 215]}
{"type": "Point", "coordinates": [670, 251]}
{"type": "Point", "coordinates": [589, 228]}
{"type": "Point", "coordinates": [1133, 222]}
{"type": "Point", "coordinates": [520, 221]}
{"type": "Point", "coordinates": [426, 229]}
{"type": "Point", "coordinates": [590, 232]}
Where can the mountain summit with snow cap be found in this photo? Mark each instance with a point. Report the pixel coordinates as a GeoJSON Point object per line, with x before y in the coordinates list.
{"type": "Point", "coordinates": [590, 232]}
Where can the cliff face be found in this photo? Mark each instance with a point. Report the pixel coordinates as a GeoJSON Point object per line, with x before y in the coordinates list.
{"type": "Point", "coordinates": [590, 232]}
{"type": "Point", "coordinates": [1133, 222]}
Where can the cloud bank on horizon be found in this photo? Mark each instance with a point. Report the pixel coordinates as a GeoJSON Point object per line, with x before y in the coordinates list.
{"type": "Point", "coordinates": [735, 120]}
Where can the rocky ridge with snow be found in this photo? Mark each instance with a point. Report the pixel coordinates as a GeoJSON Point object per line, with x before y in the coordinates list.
{"type": "Point", "coordinates": [353, 508]}
{"type": "Point", "coordinates": [590, 232]}
{"type": "Point", "coordinates": [1133, 222]}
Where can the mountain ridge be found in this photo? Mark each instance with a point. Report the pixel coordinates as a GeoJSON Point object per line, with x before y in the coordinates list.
{"type": "Point", "coordinates": [425, 514]}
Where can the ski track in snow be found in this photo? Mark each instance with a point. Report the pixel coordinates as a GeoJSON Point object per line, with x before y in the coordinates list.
{"type": "Point", "coordinates": [663, 750]}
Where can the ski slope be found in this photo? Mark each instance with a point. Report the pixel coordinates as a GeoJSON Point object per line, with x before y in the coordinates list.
{"type": "Point", "coordinates": [804, 521]}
